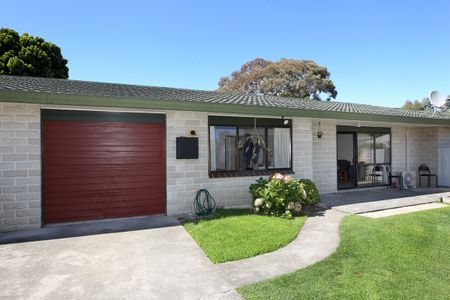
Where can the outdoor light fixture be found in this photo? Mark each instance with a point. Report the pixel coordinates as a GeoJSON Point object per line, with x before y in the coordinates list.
{"type": "Point", "coordinates": [319, 132]}
{"type": "Point", "coordinates": [285, 122]}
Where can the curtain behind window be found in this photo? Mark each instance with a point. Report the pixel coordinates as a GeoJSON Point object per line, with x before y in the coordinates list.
{"type": "Point", "coordinates": [282, 148]}
{"type": "Point", "coordinates": [212, 149]}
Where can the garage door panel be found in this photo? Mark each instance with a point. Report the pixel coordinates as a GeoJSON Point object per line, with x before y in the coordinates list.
{"type": "Point", "coordinates": [73, 172]}
{"type": "Point", "coordinates": [103, 148]}
{"type": "Point", "coordinates": [108, 154]}
{"type": "Point", "coordinates": [94, 187]}
{"type": "Point", "coordinates": [105, 179]}
{"type": "Point", "coordinates": [109, 210]}
{"type": "Point", "coordinates": [106, 142]}
{"type": "Point", "coordinates": [115, 127]}
{"type": "Point", "coordinates": [99, 140]}
{"type": "Point", "coordinates": [95, 169]}
{"type": "Point", "coordinates": [103, 198]}
{"type": "Point", "coordinates": [99, 161]}
{"type": "Point", "coordinates": [89, 215]}
{"type": "Point", "coordinates": [75, 197]}
{"type": "Point", "coordinates": [140, 203]}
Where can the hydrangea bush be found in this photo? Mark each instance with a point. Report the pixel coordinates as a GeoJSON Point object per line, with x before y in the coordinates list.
{"type": "Point", "coordinates": [282, 195]}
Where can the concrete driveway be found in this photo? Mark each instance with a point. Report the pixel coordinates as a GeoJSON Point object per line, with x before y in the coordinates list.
{"type": "Point", "coordinates": [160, 263]}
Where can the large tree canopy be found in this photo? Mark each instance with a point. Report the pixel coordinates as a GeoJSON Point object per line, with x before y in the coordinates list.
{"type": "Point", "coordinates": [416, 104]}
{"type": "Point", "coordinates": [286, 78]}
{"type": "Point", "coordinates": [27, 55]}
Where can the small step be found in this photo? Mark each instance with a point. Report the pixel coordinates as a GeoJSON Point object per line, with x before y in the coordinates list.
{"type": "Point", "coordinates": [402, 210]}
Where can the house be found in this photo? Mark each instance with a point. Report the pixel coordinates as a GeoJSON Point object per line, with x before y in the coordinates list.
{"type": "Point", "coordinates": [77, 150]}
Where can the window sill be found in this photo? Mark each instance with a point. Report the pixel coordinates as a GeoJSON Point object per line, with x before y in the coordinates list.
{"type": "Point", "coordinates": [247, 173]}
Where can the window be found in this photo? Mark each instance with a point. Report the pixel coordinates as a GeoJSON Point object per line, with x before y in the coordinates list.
{"type": "Point", "coordinates": [383, 148]}
{"type": "Point", "coordinates": [365, 148]}
{"type": "Point", "coordinates": [245, 146]}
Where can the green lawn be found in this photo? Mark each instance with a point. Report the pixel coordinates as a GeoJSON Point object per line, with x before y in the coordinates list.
{"type": "Point", "coordinates": [237, 233]}
{"type": "Point", "coordinates": [400, 257]}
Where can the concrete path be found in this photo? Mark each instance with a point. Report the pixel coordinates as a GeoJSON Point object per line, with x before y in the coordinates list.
{"type": "Point", "coordinates": [160, 263]}
{"type": "Point", "coordinates": [318, 238]}
{"type": "Point", "coordinates": [363, 201]}
{"type": "Point", "coordinates": [402, 210]}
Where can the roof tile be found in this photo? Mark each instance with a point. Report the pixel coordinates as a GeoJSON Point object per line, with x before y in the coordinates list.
{"type": "Point", "coordinates": [77, 87]}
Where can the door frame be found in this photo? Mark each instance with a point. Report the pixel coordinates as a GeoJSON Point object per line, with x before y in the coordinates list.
{"type": "Point", "coordinates": [354, 160]}
{"type": "Point", "coordinates": [354, 130]}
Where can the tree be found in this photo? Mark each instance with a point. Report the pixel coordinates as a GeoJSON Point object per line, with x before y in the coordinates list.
{"type": "Point", "coordinates": [416, 104]}
{"type": "Point", "coordinates": [27, 55]}
{"type": "Point", "coordinates": [286, 78]}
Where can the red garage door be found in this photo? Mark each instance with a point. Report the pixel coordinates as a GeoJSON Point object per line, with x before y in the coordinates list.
{"type": "Point", "coordinates": [102, 165]}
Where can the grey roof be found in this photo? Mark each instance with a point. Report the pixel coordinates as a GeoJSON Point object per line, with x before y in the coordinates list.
{"type": "Point", "coordinates": [88, 88]}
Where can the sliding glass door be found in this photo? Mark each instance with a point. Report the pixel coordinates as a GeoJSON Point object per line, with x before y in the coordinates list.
{"type": "Point", "coordinates": [372, 152]}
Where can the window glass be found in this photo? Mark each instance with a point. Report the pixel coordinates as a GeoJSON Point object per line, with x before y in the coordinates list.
{"type": "Point", "coordinates": [365, 148]}
{"type": "Point", "coordinates": [252, 148]}
{"type": "Point", "coordinates": [223, 141]}
{"type": "Point", "coordinates": [279, 148]}
{"type": "Point", "coordinates": [382, 148]}
{"type": "Point", "coordinates": [239, 146]}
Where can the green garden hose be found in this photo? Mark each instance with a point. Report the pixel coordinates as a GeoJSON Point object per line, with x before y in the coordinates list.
{"type": "Point", "coordinates": [204, 203]}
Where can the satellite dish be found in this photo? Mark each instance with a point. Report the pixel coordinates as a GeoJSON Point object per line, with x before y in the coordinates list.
{"type": "Point", "coordinates": [438, 102]}
{"type": "Point", "coordinates": [437, 99]}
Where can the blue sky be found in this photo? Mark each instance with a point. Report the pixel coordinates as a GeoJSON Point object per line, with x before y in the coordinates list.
{"type": "Point", "coordinates": [378, 52]}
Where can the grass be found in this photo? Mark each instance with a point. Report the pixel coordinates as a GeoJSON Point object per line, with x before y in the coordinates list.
{"type": "Point", "coordinates": [400, 257]}
{"type": "Point", "coordinates": [238, 233]}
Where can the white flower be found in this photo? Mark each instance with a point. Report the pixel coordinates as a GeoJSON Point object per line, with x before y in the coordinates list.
{"type": "Point", "coordinates": [304, 194]}
{"type": "Point", "coordinates": [277, 176]}
{"type": "Point", "coordinates": [268, 204]}
{"type": "Point", "coordinates": [291, 205]}
{"type": "Point", "coordinates": [287, 178]}
{"type": "Point", "coordinates": [297, 207]}
{"type": "Point", "coordinates": [258, 202]}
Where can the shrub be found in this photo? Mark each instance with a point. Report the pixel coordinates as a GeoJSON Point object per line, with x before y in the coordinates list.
{"type": "Point", "coordinates": [282, 195]}
{"type": "Point", "coordinates": [312, 194]}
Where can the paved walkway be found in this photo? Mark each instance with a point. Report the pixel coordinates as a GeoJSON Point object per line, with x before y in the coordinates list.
{"type": "Point", "coordinates": [369, 200]}
{"type": "Point", "coordinates": [402, 210]}
{"type": "Point", "coordinates": [160, 263]}
{"type": "Point", "coordinates": [318, 238]}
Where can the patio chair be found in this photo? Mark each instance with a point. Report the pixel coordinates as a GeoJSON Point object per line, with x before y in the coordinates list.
{"type": "Point", "coordinates": [343, 170]}
{"type": "Point", "coordinates": [424, 171]}
{"type": "Point", "coordinates": [377, 172]}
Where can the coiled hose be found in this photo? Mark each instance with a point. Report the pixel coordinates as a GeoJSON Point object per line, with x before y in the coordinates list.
{"type": "Point", "coordinates": [204, 203]}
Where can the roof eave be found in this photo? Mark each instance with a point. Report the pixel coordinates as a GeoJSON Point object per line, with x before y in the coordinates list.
{"type": "Point", "coordinates": [124, 102]}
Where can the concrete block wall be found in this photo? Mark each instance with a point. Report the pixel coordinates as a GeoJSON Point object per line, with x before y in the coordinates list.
{"type": "Point", "coordinates": [186, 177]}
{"type": "Point", "coordinates": [443, 156]}
{"type": "Point", "coordinates": [444, 137]}
{"type": "Point", "coordinates": [324, 157]}
{"type": "Point", "coordinates": [302, 137]}
{"type": "Point", "coordinates": [20, 167]}
{"type": "Point", "coordinates": [398, 151]}
{"type": "Point", "coordinates": [423, 147]}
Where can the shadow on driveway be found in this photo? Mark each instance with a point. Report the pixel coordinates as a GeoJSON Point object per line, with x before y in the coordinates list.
{"type": "Point", "coordinates": [87, 228]}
